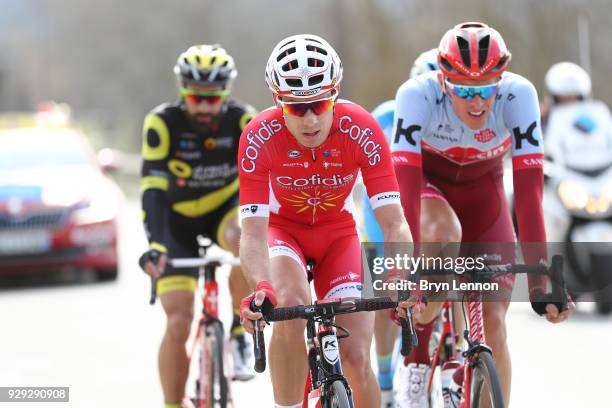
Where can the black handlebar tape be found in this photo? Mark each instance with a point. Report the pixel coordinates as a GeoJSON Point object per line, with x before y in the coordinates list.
{"type": "Point", "coordinates": [558, 283]}
{"type": "Point", "coordinates": [409, 338]}
{"type": "Point", "coordinates": [407, 330]}
{"type": "Point", "coordinates": [259, 348]}
{"type": "Point", "coordinates": [285, 313]}
{"type": "Point", "coordinates": [370, 305]}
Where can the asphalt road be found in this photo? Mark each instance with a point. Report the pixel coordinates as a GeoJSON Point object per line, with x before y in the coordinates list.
{"type": "Point", "coordinates": [101, 341]}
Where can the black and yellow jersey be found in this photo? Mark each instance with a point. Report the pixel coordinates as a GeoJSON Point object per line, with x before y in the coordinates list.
{"type": "Point", "coordinates": [185, 171]}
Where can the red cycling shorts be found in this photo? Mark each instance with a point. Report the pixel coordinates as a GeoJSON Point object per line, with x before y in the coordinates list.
{"type": "Point", "coordinates": [335, 250]}
{"type": "Point", "coordinates": [483, 211]}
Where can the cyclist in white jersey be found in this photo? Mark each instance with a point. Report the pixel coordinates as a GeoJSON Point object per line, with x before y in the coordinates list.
{"type": "Point", "coordinates": [451, 131]}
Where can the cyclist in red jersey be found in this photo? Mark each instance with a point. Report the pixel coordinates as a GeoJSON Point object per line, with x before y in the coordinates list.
{"type": "Point", "coordinates": [298, 163]}
{"type": "Point", "coordinates": [451, 131]}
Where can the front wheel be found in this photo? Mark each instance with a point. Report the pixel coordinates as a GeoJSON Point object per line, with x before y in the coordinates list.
{"type": "Point", "coordinates": [485, 383]}
{"type": "Point", "coordinates": [337, 397]}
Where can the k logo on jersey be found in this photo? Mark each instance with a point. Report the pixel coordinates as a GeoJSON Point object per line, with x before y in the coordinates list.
{"type": "Point", "coordinates": [405, 132]}
{"type": "Point", "coordinates": [528, 136]}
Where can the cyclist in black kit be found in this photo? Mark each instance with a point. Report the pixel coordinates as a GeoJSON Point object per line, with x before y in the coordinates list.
{"type": "Point", "coordinates": [189, 188]}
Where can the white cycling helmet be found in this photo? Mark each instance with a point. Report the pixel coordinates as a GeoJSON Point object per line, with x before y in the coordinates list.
{"type": "Point", "coordinates": [567, 79]}
{"type": "Point", "coordinates": [427, 61]}
{"type": "Point", "coordinates": [303, 66]}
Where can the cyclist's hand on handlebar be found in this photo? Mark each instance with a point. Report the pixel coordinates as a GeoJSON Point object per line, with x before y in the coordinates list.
{"type": "Point", "coordinates": [545, 305]}
{"type": "Point", "coordinates": [264, 297]}
{"type": "Point", "coordinates": [553, 315]}
{"type": "Point", "coordinates": [153, 262]}
{"type": "Point", "coordinates": [413, 302]}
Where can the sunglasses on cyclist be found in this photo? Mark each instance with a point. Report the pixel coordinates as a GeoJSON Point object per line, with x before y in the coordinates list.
{"type": "Point", "coordinates": [468, 92]}
{"type": "Point", "coordinates": [317, 107]}
{"type": "Point", "coordinates": [195, 96]}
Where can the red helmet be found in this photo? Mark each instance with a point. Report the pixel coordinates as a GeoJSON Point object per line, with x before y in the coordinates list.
{"type": "Point", "coordinates": [473, 51]}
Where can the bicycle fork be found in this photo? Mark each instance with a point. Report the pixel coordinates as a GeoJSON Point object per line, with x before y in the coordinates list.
{"type": "Point", "coordinates": [324, 364]}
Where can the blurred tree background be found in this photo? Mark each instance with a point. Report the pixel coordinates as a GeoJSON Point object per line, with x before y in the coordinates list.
{"type": "Point", "coordinates": [112, 60]}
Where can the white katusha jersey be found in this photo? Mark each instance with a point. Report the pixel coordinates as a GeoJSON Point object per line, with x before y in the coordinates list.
{"type": "Point", "coordinates": [425, 119]}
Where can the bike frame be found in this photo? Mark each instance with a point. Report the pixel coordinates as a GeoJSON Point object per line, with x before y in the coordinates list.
{"type": "Point", "coordinates": [448, 332]}
{"type": "Point", "coordinates": [474, 333]}
{"type": "Point", "coordinates": [210, 314]}
{"type": "Point", "coordinates": [476, 341]}
{"type": "Point", "coordinates": [327, 368]}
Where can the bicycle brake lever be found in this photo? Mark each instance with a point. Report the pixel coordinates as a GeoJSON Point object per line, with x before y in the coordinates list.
{"type": "Point", "coordinates": [153, 295]}
{"type": "Point", "coordinates": [409, 337]}
{"type": "Point", "coordinates": [259, 345]}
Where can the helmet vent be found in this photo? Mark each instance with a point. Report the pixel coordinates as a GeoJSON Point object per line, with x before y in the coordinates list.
{"type": "Point", "coordinates": [464, 49]}
{"type": "Point", "coordinates": [212, 60]}
{"type": "Point", "coordinates": [471, 25]}
{"type": "Point", "coordinates": [447, 66]}
{"type": "Point", "coordinates": [313, 40]}
{"type": "Point", "coordinates": [314, 48]}
{"type": "Point", "coordinates": [317, 79]}
{"type": "Point", "coordinates": [501, 63]}
{"type": "Point", "coordinates": [285, 53]}
{"type": "Point", "coordinates": [290, 65]}
{"type": "Point", "coordinates": [315, 62]}
{"type": "Point", "coordinates": [483, 50]}
{"type": "Point", "coordinates": [294, 82]}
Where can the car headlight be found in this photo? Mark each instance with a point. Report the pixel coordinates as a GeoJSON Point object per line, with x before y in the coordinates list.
{"type": "Point", "coordinates": [606, 192]}
{"type": "Point", "coordinates": [97, 210]}
{"type": "Point", "coordinates": [573, 195]}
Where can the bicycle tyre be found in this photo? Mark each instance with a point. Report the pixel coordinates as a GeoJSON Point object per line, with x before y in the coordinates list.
{"type": "Point", "coordinates": [485, 372]}
{"type": "Point", "coordinates": [338, 396]}
{"type": "Point", "coordinates": [212, 374]}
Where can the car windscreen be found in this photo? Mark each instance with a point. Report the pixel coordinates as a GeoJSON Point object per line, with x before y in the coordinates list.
{"type": "Point", "coordinates": [39, 152]}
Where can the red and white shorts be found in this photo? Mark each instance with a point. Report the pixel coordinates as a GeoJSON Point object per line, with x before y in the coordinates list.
{"type": "Point", "coordinates": [335, 250]}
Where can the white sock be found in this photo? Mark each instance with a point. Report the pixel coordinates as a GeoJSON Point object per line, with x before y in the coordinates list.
{"type": "Point", "coordinates": [298, 405]}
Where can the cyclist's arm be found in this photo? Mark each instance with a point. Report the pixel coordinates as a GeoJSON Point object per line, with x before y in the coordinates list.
{"type": "Point", "coordinates": [154, 179]}
{"type": "Point", "coordinates": [254, 174]}
{"type": "Point", "coordinates": [392, 223]}
{"type": "Point", "coordinates": [412, 114]}
{"type": "Point", "coordinates": [522, 118]}
{"type": "Point", "coordinates": [254, 256]}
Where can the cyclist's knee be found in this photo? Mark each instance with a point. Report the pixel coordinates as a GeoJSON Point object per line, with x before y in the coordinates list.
{"type": "Point", "coordinates": [357, 361]}
{"type": "Point", "coordinates": [441, 231]}
{"type": "Point", "coordinates": [178, 326]}
{"type": "Point", "coordinates": [290, 295]}
{"type": "Point", "coordinates": [439, 223]}
{"type": "Point", "coordinates": [289, 332]}
{"type": "Point", "coordinates": [231, 236]}
{"type": "Point", "coordinates": [494, 315]}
